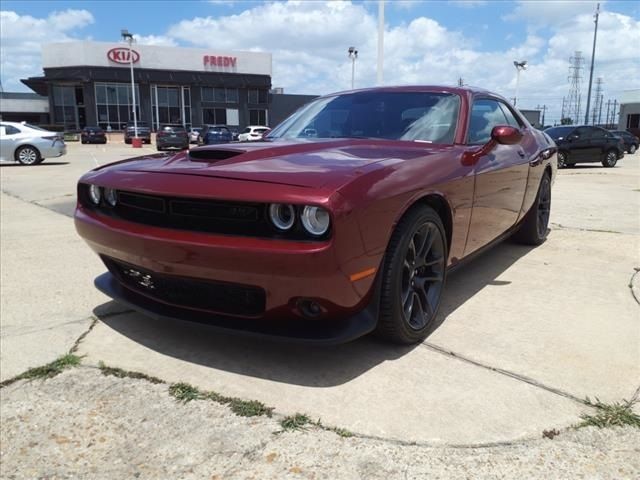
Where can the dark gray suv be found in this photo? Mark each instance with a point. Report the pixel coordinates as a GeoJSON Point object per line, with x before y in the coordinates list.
{"type": "Point", "coordinates": [144, 132]}
{"type": "Point", "coordinates": [586, 144]}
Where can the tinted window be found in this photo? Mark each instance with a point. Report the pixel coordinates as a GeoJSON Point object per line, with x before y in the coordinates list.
{"type": "Point", "coordinates": [584, 133]}
{"type": "Point", "coordinates": [485, 114]}
{"type": "Point", "coordinates": [411, 116]}
{"type": "Point", "coordinates": [559, 132]}
{"type": "Point", "coordinates": [173, 128]}
{"type": "Point", "coordinates": [511, 117]}
{"type": "Point", "coordinates": [10, 130]}
{"type": "Point", "coordinates": [597, 133]}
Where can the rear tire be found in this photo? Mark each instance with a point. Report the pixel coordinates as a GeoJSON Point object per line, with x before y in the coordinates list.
{"type": "Point", "coordinates": [562, 159]}
{"type": "Point", "coordinates": [610, 159]}
{"type": "Point", "coordinates": [535, 226]}
{"type": "Point", "coordinates": [28, 155]}
{"type": "Point", "coordinates": [632, 148]}
{"type": "Point", "coordinates": [413, 277]}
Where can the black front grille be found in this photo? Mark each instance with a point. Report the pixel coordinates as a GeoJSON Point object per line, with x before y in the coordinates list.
{"type": "Point", "coordinates": [219, 297]}
{"type": "Point", "coordinates": [211, 216]}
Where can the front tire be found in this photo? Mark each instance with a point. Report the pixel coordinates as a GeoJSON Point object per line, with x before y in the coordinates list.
{"type": "Point", "coordinates": [610, 159]}
{"type": "Point", "coordinates": [632, 148]}
{"type": "Point", "coordinates": [535, 226]}
{"type": "Point", "coordinates": [28, 155]}
{"type": "Point", "coordinates": [413, 277]}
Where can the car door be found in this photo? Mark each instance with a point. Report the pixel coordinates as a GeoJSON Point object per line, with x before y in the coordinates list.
{"type": "Point", "coordinates": [580, 147]}
{"type": "Point", "coordinates": [601, 141]}
{"type": "Point", "coordinates": [500, 174]}
{"type": "Point", "coordinates": [8, 141]}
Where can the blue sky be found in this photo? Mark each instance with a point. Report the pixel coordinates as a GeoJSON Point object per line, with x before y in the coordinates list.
{"type": "Point", "coordinates": [425, 42]}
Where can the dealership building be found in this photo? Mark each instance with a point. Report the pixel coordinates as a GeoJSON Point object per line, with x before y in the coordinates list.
{"type": "Point", "coordinates": [89, 83]}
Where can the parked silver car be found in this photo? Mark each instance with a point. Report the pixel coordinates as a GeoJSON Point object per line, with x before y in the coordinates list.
{"type": "Point", "coordinates": [28, 144]}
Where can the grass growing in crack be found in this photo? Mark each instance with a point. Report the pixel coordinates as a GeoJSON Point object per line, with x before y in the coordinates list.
{"type": "Point", "coordinates": [295, 422]}
{"type": "Point", "coordinates": [118, 372]}
{"type": "Point", "coordinates": [616, 414]}
{"type": "Point", "coordinates": [49, 370]}
{"type": "Point", "coordinates": [183, 392]}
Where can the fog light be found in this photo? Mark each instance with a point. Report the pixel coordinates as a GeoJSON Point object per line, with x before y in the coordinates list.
{"type": "Point", "coordinates": [95, 194]}
{"type": "Point", "coordinates": [309, 308]}
{"type": "Point", "coordinates": [111, 196]}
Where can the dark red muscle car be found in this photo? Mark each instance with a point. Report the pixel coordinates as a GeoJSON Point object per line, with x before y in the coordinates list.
{"type": "Point", "coordinates": [344, 220]}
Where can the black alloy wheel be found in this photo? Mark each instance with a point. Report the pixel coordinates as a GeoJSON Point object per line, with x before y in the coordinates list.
{"type": "Point", "coordinates": [562, 159]}
{"type": "Point", "coordinates": [610, 159]}
{"type": "Point", "coordinates": [413, 279]}
{"type": "Point", "coordinates": [535, 227]}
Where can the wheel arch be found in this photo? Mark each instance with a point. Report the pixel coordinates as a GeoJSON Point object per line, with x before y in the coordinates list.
{"type": "Point", "coordinates": [19, 147]}
{"type": "Point", "coordinates": [439, 203]}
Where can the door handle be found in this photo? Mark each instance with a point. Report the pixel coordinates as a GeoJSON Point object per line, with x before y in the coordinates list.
{"type": "Point", "coordinates": [521, 153]}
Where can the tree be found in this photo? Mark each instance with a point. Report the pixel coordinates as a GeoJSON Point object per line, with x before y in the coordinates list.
{"type": "Point", "coordinates": [566, 121]}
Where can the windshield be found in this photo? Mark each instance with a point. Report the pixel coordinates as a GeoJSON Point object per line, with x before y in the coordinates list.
{"type": "Point", "coordinates": [412, 116]}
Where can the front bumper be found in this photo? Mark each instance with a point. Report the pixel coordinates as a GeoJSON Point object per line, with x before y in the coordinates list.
{"type": "Point", "coordinates": [289, 272]}
{"type": "Point", "coordinates": [326, 332]}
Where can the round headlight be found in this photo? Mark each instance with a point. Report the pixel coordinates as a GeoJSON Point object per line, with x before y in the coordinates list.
{"type": "Point", "coordinates": [315, 220]}
{"type": "Point", "coordinates": [95, 194]}
{"type": "Point", "coordinates": [111, 196]}
{"type": "Point", "coordinates": [282, 215]}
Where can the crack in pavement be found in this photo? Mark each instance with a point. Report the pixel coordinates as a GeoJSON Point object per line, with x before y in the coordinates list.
{"type": "Point", "coordinates": [508, 373]}
{"type": "Point", "coordinates": [35, 202]}
{"type": "Point", "coordinates": [559, 226]}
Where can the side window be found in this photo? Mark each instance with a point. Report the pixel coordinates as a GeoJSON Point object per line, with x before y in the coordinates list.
{"type": "Point", "coordinates": [9, 130]}
{"type": "Point", "coordinates": [510, 116]}
{"type": "Point", "coordinates": [485, 114]}
{"type": "Point", "coordinates": [583, 133]}
{"type": "Point", "coordinates": [598, 133]}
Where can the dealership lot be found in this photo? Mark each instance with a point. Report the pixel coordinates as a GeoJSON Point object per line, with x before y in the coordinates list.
{"type": "Point", "coordinates": [528, 333]}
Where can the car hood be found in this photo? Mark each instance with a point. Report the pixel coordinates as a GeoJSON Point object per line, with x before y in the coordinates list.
{"type": "Point", "coordinates": [316, 164]}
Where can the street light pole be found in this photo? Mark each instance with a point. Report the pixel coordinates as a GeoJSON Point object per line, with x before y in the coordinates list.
{"type": "Point", "coordinates": [128, 37]}
{"type": "Point", "coordinates": [353, 55]}
{"type": "Point", "coordinates": [593, 56]}
{"type": "Point", "coordinates": [519, 67]}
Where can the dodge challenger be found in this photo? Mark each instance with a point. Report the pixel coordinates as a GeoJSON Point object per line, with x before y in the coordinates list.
{"type": "Point", "coordinates": [344, 220]}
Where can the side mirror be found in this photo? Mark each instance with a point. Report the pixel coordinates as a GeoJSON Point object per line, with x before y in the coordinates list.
{"type": "Point", "coordinates": [506, 135]}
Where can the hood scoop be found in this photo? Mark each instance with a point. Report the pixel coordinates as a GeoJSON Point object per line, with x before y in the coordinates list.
{"type": "Point", "coordinates": [207, 155]}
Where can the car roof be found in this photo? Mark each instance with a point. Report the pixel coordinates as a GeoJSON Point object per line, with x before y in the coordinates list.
{"type": "Point", "coordinates": [421, 88]}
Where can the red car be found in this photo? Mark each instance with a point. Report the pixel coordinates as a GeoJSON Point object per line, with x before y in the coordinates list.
{"type": "Point", "coordinates": [344, 221]}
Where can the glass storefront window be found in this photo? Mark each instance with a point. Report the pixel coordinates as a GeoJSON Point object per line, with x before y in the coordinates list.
{"type": "Point", "coordinates": [219, 95]}
{"type": "Point", "coordinates": [170, 104]}
{"type": "Point", "coordinates": [114, 105]}
{"type": "Point", "coordinates": [257, 117]}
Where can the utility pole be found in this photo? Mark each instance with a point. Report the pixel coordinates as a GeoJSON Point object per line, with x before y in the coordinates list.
{"type": "Point", "coordinates": [608, 106]}
{"type": "Point", "coordinates": [544, 110]}
{"type": "Point", "coordinates": [353, 55]}
{"type": "Point", "coordinates": [613, 114]}
{"type": "Point", "coordinates": [593, 57]}
{"type": "Point", "coordinates": [600, 109]}
{"type": "Point", "coordinates": [460, 82]}
{"type": "Point", "coordinates": [562, 113]}
{"type": "Point", "coordinates": [380, 42]}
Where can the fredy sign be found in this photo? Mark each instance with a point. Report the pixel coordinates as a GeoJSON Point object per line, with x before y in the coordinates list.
{"type": "Point", "coordinates": [212, 61]}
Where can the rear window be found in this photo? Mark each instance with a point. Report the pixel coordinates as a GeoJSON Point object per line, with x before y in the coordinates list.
{"type": "Point", "coordinates": [220, 129]}
{"type": "Point", "coordinates": [173, 128]}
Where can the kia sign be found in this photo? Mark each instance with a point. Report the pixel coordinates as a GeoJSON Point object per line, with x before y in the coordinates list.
{"type": "Point", "coordinates": [219, 61]}
{"type": "Point", "coordinates": [121, 55]}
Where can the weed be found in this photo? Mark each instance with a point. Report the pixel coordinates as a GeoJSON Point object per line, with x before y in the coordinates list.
{"type": "Point", "coordinates": [248, 408]}
{"type": "Point", "coordinates": [550, 434]}
{"type": "Point", "coordinates": [617, 414]}
{"type": "Point", "coordinates": [295, 422]}
{"type": "Point", "coordinates": [118, 372]}
{"type": "Point", "coordinates": [49, 370]}
{"type": "Point", "coordinates": [183, 392]}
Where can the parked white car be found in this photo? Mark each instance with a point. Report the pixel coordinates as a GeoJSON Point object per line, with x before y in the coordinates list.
{"type": "Point", "coordinates": [253, 133]}
{"type": "Point", "coordinates": [28, 144]}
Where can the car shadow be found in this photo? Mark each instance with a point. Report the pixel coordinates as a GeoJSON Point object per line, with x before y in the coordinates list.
{"type": "Point", "coordinates": [303, 365]}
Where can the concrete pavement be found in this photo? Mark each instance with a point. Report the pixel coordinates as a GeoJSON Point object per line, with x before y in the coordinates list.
{"type": "Point", "coordinates": [527, 333]}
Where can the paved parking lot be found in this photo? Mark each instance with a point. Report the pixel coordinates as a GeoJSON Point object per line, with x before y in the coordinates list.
{"type": "Point", "coordinates": [528, 333]}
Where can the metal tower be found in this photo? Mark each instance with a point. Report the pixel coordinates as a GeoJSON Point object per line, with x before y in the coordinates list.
{"type": "Point", "coordinates": [597, 103]}
{"type": "Point", "coordinates": [573, 109]}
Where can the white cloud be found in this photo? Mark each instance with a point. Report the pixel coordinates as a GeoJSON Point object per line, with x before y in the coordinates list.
{"type": "Point", "coordinates": [159, 40]}
{"type": "Point", "coordinates": [23, 35]}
